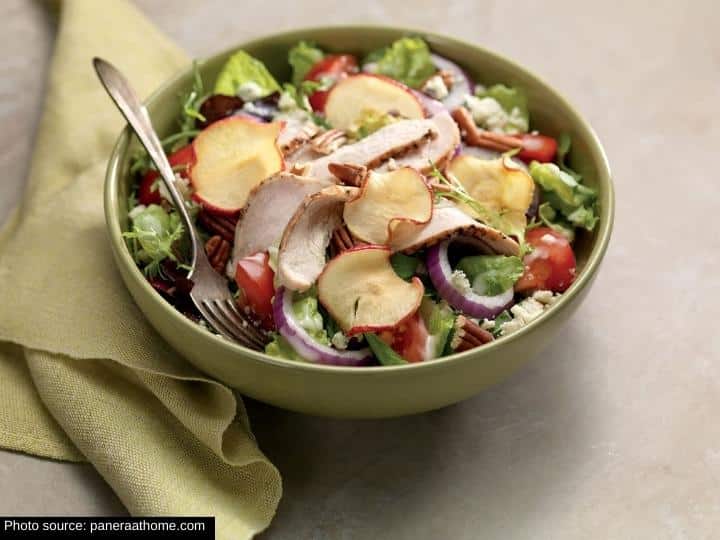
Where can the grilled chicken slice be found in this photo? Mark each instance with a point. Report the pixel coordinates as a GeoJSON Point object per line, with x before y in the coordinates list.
{"type": "Point", "coordinates": [267, 213]}
{"type": "Point", "coordinates": [448, 220]}
{"type": "Point", "coordinates": [373, 150]}
{"type": "Point", "coordinates": [301, 257]}
{"type": "Point", "coordinates": [435, 151]}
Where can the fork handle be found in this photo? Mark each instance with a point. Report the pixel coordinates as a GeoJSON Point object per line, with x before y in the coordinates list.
{"type": "Point", "coordinates": [119, 89]}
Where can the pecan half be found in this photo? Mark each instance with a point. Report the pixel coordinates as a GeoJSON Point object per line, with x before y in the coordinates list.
{"type": "Point", "coordinates": [475, 136]}
{"type": "Point", "coordinates": [218, 252]}
{"type": "Point", "coordinates": [349, 174]}
{"type": "Point", "coordinates": [342, 240]}
{"type": "Point", "coordinates": [468, 335]}
{"type": "Point", "coordinates": [329, 141]}
{"type": "Point", "coordinates": [218, 224]}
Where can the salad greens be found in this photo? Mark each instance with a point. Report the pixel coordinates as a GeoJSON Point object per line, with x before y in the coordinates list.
{"type": "Point", "coordinates": [154, 237]}
{"type": "Point", "coordinates": [439, 319]}
{"type": "Point", "coordinates": [308, 316]}
{"type": "Point", "coordinates": [491, 274]}
{"type": "Point", "coordinates": [302, 57]}
{"type": "Point", "coordinates": [384, 353]}
{"type": "Point", "coordinates": [370, 121]}
{"type": "Point", "coordinates": [242, 69]}
{"type": "Point", "coordinates": [563, 149]}
{"type": "Point", "coordinates": [405, 266]}
{"type": "Point", "coordinates": [407, 60]}
{"type": "Point", "coordinates": [574, 201]}
{"type": "Point", "coordinates": [550, 218]}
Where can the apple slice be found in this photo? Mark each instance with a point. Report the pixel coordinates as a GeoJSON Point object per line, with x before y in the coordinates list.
{"type": "Point", "coordinates": [362, 292]}
{"type": "Point", "coordinates": [232, 156]}
{"type": "Point", "coordinates": [385, 200]}
{"type": "Point", "coordinates": [351, 96]}
{"type": "Point", "coordinates": [498, 184]}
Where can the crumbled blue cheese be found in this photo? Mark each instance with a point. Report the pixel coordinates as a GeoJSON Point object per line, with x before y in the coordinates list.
{"type": "Point", "coordinates": [339, 341]}
{"type": "Point", "coordinates": [287, 102]}
{"type": "Point", "coordinates": [182, 184]}
{"type": "Point", "coordinates": [487, 324]}
{"type": "Point", "coordinates": [460, 281]}
{"type": "Point", "coordinates": [545, 297]}
{"type": "Point", "coordinates": [435, 87]}
{"type": "Point", "coordinates": [490, 115]}
{"type": "Point", "coordinates": [527, 311]}
{"type": "Point", "coordinates": [250, 91]}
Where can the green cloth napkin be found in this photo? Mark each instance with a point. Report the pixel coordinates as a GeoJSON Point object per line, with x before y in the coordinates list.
{"type": "Point", "coordinates": [82, 374]}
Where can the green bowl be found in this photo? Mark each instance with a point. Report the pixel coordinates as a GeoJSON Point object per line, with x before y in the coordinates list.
{"type": "Point", "coordinates": [369, 392]}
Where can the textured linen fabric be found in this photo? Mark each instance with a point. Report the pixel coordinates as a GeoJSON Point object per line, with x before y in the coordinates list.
{"type": "Point", "coordinates": [82, 374]}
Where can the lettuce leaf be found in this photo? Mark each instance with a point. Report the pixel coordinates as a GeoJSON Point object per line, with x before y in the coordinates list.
{"type": "Point", "coordinates": [550, 218]}
{"type": "Point", "coordinates": [280, 348]}
{"type": "Point", "coordinates": [240, 69]}
{"type": "Point", "coordinates": [302, 57]}
{"type": "Point", "coordinates": [563, 149]}
{"type": "Point", "coordinates": [308, 316]}
{"type": "Point", "coordinates": [405, 266]}
{"type": "Point", "coordinates": [574, 201]}
{"type": "Point", "coordinates": [153, 237]}
{"type": "Point", "coordinates": [407, 60]}
{"type": "Point", "coordinates": [491, 274]}
{"type": "Point", "coordinates": [439, 320]}
{"type": "Point", "coordinates": [384, 353]}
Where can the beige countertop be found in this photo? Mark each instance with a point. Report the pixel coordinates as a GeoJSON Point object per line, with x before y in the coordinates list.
{"type": "Point", "coordinates": [610, 433]}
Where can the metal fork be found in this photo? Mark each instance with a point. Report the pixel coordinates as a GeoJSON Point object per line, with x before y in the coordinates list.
{"type": "Point", "coordinates": [210, 291]}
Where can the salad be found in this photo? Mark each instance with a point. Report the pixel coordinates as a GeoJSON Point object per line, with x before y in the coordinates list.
{"type": "Point", "coordinates": [368, 211]}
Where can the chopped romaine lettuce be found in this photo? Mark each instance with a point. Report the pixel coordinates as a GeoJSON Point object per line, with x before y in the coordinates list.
{"type": "Point", "coordinates": [302, 57]}
{"type": "Point", "coordinates": [153, 237]}
{"type": "Point", "coordinates": [574, 201]}
{"type": "Point", "coordinates": [308, 316]}
{"type": "Point", "coordinates": [407, 60]}
{"type": "Point", "coordinates": [439, 320]}
{"type": "Point", "coordinates": [241, 69]}
{"type": "Point", "coordinates": [549, 217]}
{"type": "Point", "coordinates": [384, 353]}
{"type": "Point", "coordinates": [563, 149]}
{"type": "Point", "coordinates": [280, 348]}
{"type": "Point", "coordinates": [405, 266]}
{"type": "Point", "coordinates": [369, 121]}
{"type": "Point", "coordinates": [491, 274]}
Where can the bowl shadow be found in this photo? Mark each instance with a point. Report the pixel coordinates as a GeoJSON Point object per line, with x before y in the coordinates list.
{"type": "Point", "coordinates": [489, 463]}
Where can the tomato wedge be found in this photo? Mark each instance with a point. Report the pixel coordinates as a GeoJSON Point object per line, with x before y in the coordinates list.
{"type": "Point", "coordinates": [550, 265]}
{"type": "Point", "coordinates": [255, 278]}
{"type": "Point", "coordinates": [333, 67]}
{"type": "Point", "coordinates": [146, 193]}
{"type": "Point", "coordinates": [408, 339]}
{"type": "Point", "coordinates": [537, 148]}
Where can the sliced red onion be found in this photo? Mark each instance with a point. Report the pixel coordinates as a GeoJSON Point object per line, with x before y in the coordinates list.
{"type": "Point", "coordinates": [431, 106]}
{"type": "Point", "coordinates": [304, 344]}
{"type": "Point", "coordinates": [470, 303]}
{"type": "Point", "coordinates": [462, 85]}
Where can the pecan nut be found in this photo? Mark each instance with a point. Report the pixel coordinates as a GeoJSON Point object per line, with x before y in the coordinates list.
{"type": "Point", "coordinates": [342, 240]}
{"type": "Point", "coordinates": [218, 224]}
{"type": "Point", "coordinates": [349, 174]}
{"type": "Point", "coordinates": [218, 252]}
{"type": "Point", "coordinates": [469, 335]}
{"type": "Point", "coordinates": [475, 136]}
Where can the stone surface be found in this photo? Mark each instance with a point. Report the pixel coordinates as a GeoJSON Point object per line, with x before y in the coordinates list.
{"type": "Point", "coordinates": [610, 433]}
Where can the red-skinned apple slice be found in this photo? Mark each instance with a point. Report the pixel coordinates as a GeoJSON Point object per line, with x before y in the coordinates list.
{"type": "Point", "coordinates": [362, 292]}
{"type": "Point", "coordinates": [385, 200]}
{"type": "Point", "coordinates": [232, 156]}
{"type": "Point", "coordinates": [351, 96]}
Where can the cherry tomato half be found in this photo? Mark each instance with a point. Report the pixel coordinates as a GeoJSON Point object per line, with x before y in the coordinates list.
{"type": "Point", "coordinates": [408, 339]}
{"type": "Point", "coordinates": [537, 148]}
{"type": "Point", "coordinates": [255, 278]}
{"type": "Point", "coordinates": [146, 193]}
{"type": "Point", "coordinates": [551, 263]}
{"type": "Point", "coordinates": [334, 67]}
